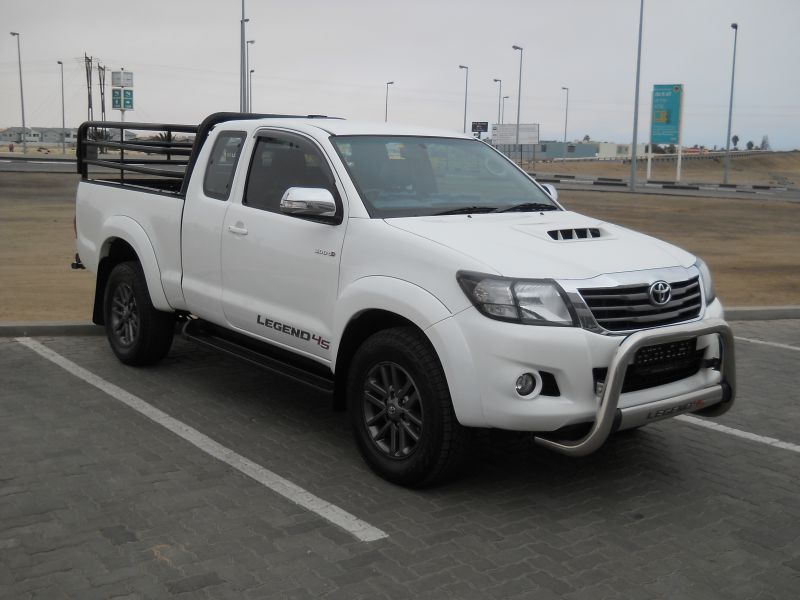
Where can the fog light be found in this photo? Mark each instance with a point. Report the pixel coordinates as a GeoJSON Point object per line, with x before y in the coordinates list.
{"type": "Point", "coordinates": [529, 384]}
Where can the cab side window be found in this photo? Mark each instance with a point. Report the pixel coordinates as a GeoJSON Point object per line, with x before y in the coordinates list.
{"type": "Point", "coordinates": [282, 162]}
{"type": "Point", "coordinates": [222, 164]}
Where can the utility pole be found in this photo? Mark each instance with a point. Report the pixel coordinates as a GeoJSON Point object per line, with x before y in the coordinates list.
{"type": "Point", "coordinates": [636, 100]}
{"type": "Point", "coordinates": [466, 90]}
{"type": "Point", "coordinates": [243, 66]}
{"type": "Point", "coordinates": [250, 90]}
{"type": "Point", "coordinates": [519, 94]}
{"type": "Point", "coordinates": [566, 116]}
{"type": "Point", "coordinates": [88, 62]}
{"type": "Point", "coordinates": [63, 127]}
{"type": "Point", "coordinates": [249, 93]}
{"type": "Point", "coordinates": [101, 78]}
{"type": "Point", "coordinates": [499, 98]}
{"type": "Point", "coordinates": [386, 113]}
{"type": "Point", "coordinates": [735, 28]}
{"type": "Point", "coordinates": [21, 96]}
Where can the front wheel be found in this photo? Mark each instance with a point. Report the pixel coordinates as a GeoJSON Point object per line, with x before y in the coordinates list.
{"type": "Point", "coordinates": [137, 332]}
{"type": "Point", "coordinates": [400, 409]}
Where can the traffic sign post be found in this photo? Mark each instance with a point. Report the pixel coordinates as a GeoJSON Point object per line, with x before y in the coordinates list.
{"type": "Point", "coordinates": [666, 121]}
{"type": "Point", "coordinates": [122, 92]}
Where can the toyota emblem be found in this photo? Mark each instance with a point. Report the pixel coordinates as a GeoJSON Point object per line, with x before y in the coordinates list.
{"type": "Point", "coordinates": [660, 293]}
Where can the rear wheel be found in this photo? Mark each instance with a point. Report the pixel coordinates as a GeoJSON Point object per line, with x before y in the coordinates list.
{"type": "Point", "coordinates": [400, 409]}
{"type": "Point", "coordinates": [137, 332]}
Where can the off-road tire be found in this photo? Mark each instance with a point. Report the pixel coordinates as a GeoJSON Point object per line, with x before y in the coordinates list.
{"type": "Point", "coordinates": [138, 333]}
{"type": "Point", "coordinates": [418, 403]}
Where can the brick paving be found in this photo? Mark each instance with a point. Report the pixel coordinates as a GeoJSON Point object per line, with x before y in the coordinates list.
{"type": "Point", "coordinates": [96, 501]}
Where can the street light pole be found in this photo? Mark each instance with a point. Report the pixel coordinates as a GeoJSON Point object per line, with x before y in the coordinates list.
{"type": "Point", "coordinates": [503, 111]}
{"type": "Point", "coordinates": [466, 88]}
{"type": "Point", "coordinates": [63, 127]}
{"type": "Point", "coordinates": [386, 114]}
{"type": "Point", "coordinates": [250, 90]}
{"type": "Point", "coordinates": [242, 65]}
{"type": "Point", "coordinates": [636, 100]}
{"type": "Point", "coordinates": [735, 28]}
{"type": "Point", "coordinates": [248, 107]}
{"type": "Point", "coordinates": [566, 116]}
{"type": "Point", "coordinates": [519, 93]}
{"type": "Point", "coordinates": [21, 97]}
{"type": "Point", "coordinates": [499, 97]}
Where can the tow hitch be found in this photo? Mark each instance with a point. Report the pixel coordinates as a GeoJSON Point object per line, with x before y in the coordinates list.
{"type": "Point", "coordinates": [77, 264]}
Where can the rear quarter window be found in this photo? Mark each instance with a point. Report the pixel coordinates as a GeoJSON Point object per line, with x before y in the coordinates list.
{"type": "Point", "coordinates": [222, 163]}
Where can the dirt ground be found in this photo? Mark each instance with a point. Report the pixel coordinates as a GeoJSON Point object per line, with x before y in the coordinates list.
{"type": "Point", "coordinates": [752, 245]}
{"type": "Point", "coordinates": [37, 246]}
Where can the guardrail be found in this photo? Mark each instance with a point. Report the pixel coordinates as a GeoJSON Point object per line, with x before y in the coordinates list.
{"type": "Point", "coordinates": [663, 157]}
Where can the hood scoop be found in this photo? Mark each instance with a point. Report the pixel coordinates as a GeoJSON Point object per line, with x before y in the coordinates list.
{"type": "Point", "coordinates": [575, 234]}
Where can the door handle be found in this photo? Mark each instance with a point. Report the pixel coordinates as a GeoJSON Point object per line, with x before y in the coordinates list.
{"type": "Point", "coordinates": [237, 230]}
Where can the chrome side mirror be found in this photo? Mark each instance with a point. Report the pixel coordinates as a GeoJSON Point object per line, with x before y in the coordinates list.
{"type": "Point", "coordinates": [551, 190]}
{"type": "Point", "coordinates": [310, 202]}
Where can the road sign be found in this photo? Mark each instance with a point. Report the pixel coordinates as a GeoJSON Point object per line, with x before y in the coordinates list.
{"type": "Point", "coordinates": [507, 133]}
{"type": "Point", "coordinates": [116, 98]}
{"type": "Point", "coordinates": [122, 78]}
{"type": "Point", "coordinates": [127, 99]}
{"type": "Point", "coordinates": [665, 125]}
{"type": "Point", "coordinates": [480, 126]}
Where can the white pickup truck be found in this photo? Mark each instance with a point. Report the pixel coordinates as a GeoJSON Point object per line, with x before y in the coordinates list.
{"type": "Point", "coordinates": [421, 277]}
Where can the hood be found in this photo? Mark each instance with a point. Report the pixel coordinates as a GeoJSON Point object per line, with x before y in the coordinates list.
{"type": "Point", "coordinates": [556, 244]}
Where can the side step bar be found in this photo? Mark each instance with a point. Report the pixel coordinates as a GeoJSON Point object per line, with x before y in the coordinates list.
{"type": "Point", "coordinates": [260, 354]}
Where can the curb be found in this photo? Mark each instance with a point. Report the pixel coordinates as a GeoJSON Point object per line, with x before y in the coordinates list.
{"type": "Point", "coordinates": [64, 328]}
{"type": "Point", "coordinates": [48, 328]}
{"type": "Point", "coordinates": [762, 313]}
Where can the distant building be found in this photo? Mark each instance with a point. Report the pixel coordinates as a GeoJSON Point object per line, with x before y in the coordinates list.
{"type": "Point", "coordinates": [14, 134]}
{"type": "Point", "coordinates": [55, 135]}
{"type": "Point", "coordinates": [39, 135]}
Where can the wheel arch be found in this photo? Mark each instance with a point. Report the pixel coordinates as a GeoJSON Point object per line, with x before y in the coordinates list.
{"type": "Point", "coordinates": [372, 304]}
{"type": "Point", "coordinates": [359, 328]}
{"type": "Point", "coordinates": [126, 240]}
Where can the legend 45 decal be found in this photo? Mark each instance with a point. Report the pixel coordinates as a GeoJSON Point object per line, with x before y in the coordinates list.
{"type": "Point", "coordinates": [294, 331]}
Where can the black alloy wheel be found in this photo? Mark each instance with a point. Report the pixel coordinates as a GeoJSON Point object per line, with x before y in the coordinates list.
{"type": "Point", "coordinates": [392, 410]}
{"type": "Point", "coordinates": [138, 333]}
{"type": "Point", "coordinates": [125, 321]}
{"type": "Point", "coordinates": [401, 413]}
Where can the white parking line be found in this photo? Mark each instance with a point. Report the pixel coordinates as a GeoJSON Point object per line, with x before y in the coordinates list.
{"type": "Point", "coordinates": [359, 529]}
{"type": "Point", "coordinates": [761, 439]}
{"type": "Point", "coordinates": [763, 343]}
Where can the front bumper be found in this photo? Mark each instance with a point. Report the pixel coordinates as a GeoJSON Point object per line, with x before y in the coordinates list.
{"type": "Point", "coordinates": [708, 401]}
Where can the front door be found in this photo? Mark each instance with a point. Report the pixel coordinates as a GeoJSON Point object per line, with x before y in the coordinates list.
{"type": "Point", "coordinates": [280, 272]}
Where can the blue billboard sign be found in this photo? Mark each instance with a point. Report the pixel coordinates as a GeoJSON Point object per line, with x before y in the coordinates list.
{"type": "Point", "coordinates": [665, 121]}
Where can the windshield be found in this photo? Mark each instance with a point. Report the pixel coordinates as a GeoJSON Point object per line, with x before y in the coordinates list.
{"type": "Point", "coordinates": [401, 176]}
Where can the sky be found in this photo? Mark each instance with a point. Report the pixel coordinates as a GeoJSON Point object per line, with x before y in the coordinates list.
{"type": "Point", "coordinates": [334, 57]}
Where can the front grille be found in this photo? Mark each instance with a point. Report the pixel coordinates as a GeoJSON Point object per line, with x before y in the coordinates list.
{"type": "Point", "coordinates": [659, 365]}
{"type": "Point", "coordinates": [626, 308]}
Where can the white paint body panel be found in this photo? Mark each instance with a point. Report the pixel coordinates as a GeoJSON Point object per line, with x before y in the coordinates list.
{"type": "Point", "coordinates": [405, 266]}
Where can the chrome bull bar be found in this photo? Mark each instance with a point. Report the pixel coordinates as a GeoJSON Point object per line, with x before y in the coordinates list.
{"type": "Point", "coordinates": [710, 401]}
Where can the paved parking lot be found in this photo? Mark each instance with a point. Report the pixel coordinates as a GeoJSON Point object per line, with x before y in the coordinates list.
{"type": "Point", "coordinates": [100, 501]}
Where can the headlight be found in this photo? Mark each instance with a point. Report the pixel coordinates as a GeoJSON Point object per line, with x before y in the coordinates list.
{"type": "Point", "coordinates": [707, 281]}
{"type": "Point", "coordinates": [528, 301]}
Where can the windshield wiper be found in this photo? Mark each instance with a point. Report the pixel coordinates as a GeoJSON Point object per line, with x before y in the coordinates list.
{"type": "Point", "coordinates": [528, 206]}
{"type": "Point", "coordinates": [466, 210]}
